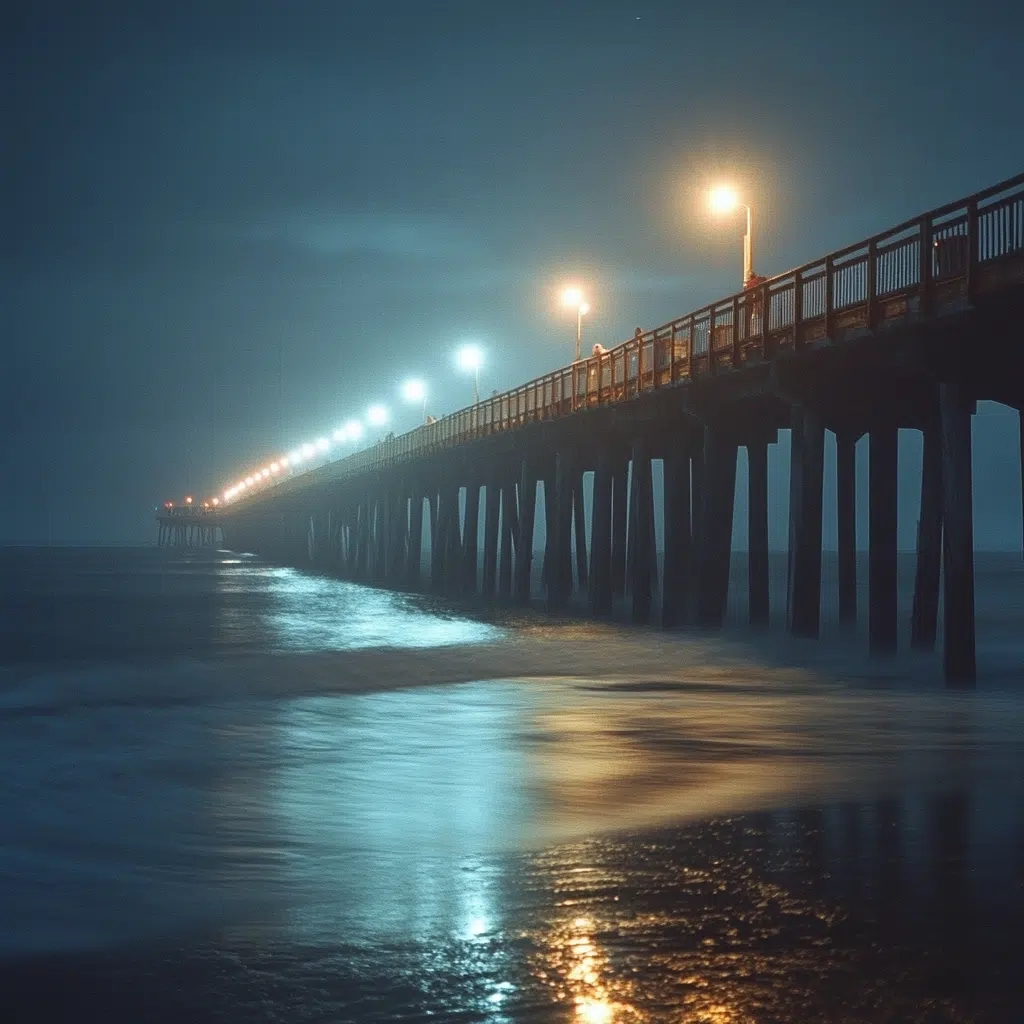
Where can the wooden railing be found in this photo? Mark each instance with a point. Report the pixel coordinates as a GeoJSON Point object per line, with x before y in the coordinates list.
{"type": "Point", "coordinates": [918, 267]}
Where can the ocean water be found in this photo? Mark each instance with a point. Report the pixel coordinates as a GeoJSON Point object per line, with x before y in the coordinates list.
{"type": "Point", "coordinates": [233, 791]}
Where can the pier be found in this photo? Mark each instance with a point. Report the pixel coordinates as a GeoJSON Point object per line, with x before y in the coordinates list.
{"type": "Point", "coordinates": [909, 329]}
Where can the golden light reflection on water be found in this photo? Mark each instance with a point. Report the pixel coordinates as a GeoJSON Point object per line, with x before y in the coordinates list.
{"type": "Point", "coordinates": [575, 969]}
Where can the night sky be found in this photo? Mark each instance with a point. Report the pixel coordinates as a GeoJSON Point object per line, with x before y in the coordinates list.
{"type": "Point", "coordinates": [195, 195]}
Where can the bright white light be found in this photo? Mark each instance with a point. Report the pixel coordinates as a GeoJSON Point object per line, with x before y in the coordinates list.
{"type": "Point", "coordinates": [322, 444]}
{"type": "Point", "coordinates": [265, 474]}
{"type": "Point", "coordinates": [572, 297]}
{"type": "Point", "coordinates": [584, 308]}
{"type": "Point", "coordinates": [295, 457]}
{"type": "Point", "coordinates": [340, 436]}
{"type": "Point", "coordinates": [469, 358]}
{"type": "Point", "coordinates": [376, 415]}
{"type": "Point", "coordinates": [723, 199]}
{"type": "Point", "coordinates": [414, 391]}
{"type": "Point", "coordinates": [308, 450]}
{"type": "Point", "coordinates": [248, 481]}
{"type": "Point", "coordinates": [354, 430]}
{"type": "Point", "coordinates": [275, 467]}
{"type": "Point", "coordinates": [229, 494]}
{"type": "Point", "coordinates": [285, 461]}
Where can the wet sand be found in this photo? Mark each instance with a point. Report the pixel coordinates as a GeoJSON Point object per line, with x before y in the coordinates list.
{"type": "Point", "coordinates": [854, 912]}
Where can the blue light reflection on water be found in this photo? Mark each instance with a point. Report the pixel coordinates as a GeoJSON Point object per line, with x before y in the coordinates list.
{"type": "Point", "coordinates": [386, 802]}
{"type": "Point", "coordinates": [303, 612]}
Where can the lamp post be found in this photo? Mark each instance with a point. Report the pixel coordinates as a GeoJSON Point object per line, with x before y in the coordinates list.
{"type": "Point", "coordinates": [469, 359]}
{"type": "Point", "coordinates": [573, 297]}
{"type": "Point", "coordinates": [416, 391]}
{"type": "Point", "coordinates": [724, 200]}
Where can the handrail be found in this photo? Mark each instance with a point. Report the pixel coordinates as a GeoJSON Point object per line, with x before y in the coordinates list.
{"type": "Point", "coordinates": [764, 318]}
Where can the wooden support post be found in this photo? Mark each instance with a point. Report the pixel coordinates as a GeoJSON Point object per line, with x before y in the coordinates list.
{"type": "Point", "coordinates": [958, 537]}
{"type": "Point", "coordinates": [470, 538]}
{"type": "Point", "coordinates": [398, 523]}
{"type": "Point", "coordinates": [509, 525]}
{"type": "Point", "coordinates": [438, 539]}
{"type": "Point", "coordinates": [559, 584]}
{"type": "Point", "coordinates": [402, 531]}
{"type": "Point", "coordinates": [579, 522]}
{"type": "Point", "coordinates": [719, 485]}
{"type": "Point", "coordinates": [433, 506]}
{"type": "Point", "coordinates": [846, 521]}
{"type": "Point", "coordinates": [453, 547]}
{"type": "Point", "coordinates": [757, 532]}
{"type": "Point", "coordinates": [549, 526]}
{"type": "Point", "coordinates": [805, 500]}
{"type": "Point", "coordinates": [620, 482]}
{"type": "Point", "coordinates": [353, 553]}
{"type": "Point", "coordinates": [882, 609]}
{"type": "Point", "coordinates": [924, 619]}
{"type": "Point", "coordinates": [524, 541]}
{"type": "Point", "coordinates": [653, 530]}
{"type": "Point", "coordinates": [387, 532]}
{"type": "Point", "coordinates": [601, 538]}
{"type": "Point", "coordinates": [641, 542]}
{"type": "Point", "coordinates": [380, 539]}
{"type": "Point", "coordinates": [697, 495]}
{"type": "Point", "coordinates": [414, 549]}
{"type": "Point", "coordinates": [492, 509]}
{"type": "Point", "coordinates": [363, 544]}
{"type": "Point", "coordinates": [678, 551]}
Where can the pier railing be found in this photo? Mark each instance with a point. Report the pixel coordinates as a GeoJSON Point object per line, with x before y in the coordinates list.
{"type": "Point", "coordinates": [915, 269]}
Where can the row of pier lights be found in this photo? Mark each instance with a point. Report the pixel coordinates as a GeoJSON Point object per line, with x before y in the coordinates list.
{"type": "Point", "coordinates": [469, 358]}
{"type": "Point", "coordinates": [722, 201]}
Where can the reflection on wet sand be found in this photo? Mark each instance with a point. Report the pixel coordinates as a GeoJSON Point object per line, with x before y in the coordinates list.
{"type": "Point", "coordinates": [780, 918]}
{"type": "Point", "coordinates": [903, 909]}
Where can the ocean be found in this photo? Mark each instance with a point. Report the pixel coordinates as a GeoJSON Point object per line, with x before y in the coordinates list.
{"type": "Point", "coordinates": [232, 791]}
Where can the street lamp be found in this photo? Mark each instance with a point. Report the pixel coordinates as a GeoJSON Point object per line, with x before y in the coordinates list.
{"type": "Point", "coordinates": [724, 200]}
{"type": "Point", "coordinates": [573, 297]}
{"type": "Point", "coordinates": [377, 415]}
{"type": "Point", "coordinates": [416, 391]}
{"type": "Point", "coordinates": [469, 358]}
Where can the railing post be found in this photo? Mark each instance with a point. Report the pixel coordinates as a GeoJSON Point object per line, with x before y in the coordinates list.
{"type": "Point", "coordinates": [711, 340]}
{"type": "Point", "coordinates": [972, 248]}
{"type": "Point", "coordinates": [766, 310]}
{"type": "Point", "coordinates": [871, 283]}
{"type": "Point", "coordinates": [673, 368]}
{"type": "Point", "coordinates": [924, 271]}
{"type": "Point", "coordinates": [829, 296]}
{"type": "Point", "coordinates": [798, 309]}
{"type": "Point", "coordinates": [735, 330]}
{"type": "Point", "coordinates": [689, 347]}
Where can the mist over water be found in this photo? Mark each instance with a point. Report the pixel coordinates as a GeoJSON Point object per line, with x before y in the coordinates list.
{"type": "Point", "coordinates": [208, 761]}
